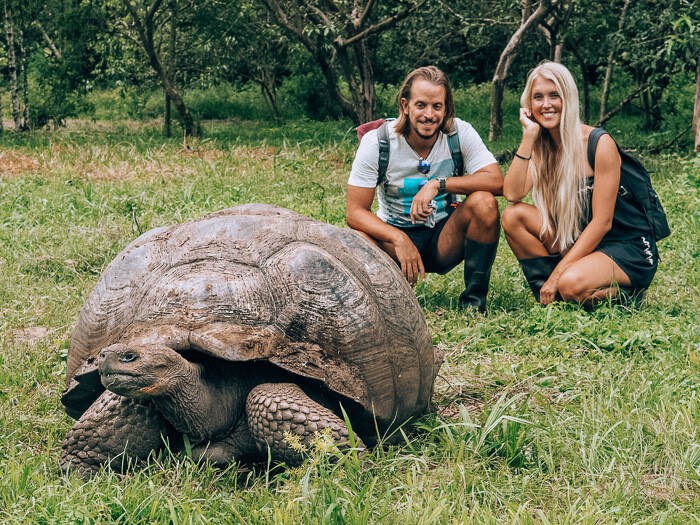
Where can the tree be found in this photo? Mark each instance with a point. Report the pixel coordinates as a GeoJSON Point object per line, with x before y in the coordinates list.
{"type": "Point", "coordinates": [16, 61]}
{"type": "Point", "coordinates": [554, 27]}
{"type": "Point", "coordinates": [696, 107]}
{"type": "Point", "coordinates": [336, 34]}
{"type": "Point", "coordinates": [147, 20]}
{"type": "Point", "coordinates": [172, 50]}
{"type": "Point", "coordinates": [529, 20]}
{"type": "Point", "coordinates": [684, 41]}
{"type": "Point", "coordinates": [648, 23]}
{"type": "Point", "coordinates": [614, 44]}
{"type": "Point", "coordinates": [240, 42]}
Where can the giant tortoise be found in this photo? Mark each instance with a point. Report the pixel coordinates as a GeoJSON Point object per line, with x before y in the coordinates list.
{"type": "Point", "coordinates": [239, 330]}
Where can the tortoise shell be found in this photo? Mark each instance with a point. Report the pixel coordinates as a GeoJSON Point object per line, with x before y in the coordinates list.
{"type": "Point", "coordinates": [259, 283]}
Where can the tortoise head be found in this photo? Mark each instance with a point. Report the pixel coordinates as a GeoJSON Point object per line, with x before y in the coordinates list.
{"type": "Point", "coordinates": [140, 372]}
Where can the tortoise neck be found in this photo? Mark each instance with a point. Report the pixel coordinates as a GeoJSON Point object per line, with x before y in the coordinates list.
{"type": "Point", "coordinates": [204, 402]}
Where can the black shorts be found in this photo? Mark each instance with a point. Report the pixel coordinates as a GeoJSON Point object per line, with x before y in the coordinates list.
{"type": "Point", "coordinates": [426, 240]}
{"type": "Point", "coordinates": [638, 257]}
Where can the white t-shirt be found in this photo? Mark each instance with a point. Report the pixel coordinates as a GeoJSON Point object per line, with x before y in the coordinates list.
{"type": "Point", "coordinates": [403, 181]}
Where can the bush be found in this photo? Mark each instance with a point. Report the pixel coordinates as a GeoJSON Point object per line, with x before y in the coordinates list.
{"type": "Point", "coordinates": [306, 95]}
{"type": "Point", "coordinates": [55, 93]}
{"type": "Point", "coordinates": [225, 101]}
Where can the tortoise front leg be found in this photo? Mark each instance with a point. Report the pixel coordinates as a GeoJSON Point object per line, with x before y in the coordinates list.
{"type": "Point", "coordinates": [276, 408]}
{"type": "Point", "coordinates": [114, 430]}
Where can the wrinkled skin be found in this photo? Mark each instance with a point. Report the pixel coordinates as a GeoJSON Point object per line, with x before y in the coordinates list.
{"type": "Point", "coordinates": [226, 414]}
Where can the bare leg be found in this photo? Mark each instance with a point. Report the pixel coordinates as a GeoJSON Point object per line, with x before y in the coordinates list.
{"type": "Point", "coordinates": [471, 234]}
{"type": "Point", "coordinates": [112, 431]}
{"type": "Point", "coordinates": [592, 279]}
{"type": "Point", "coordinates": [277, 408]}
{"type": "Point", "coordinates": [521, 224]}
{"type": "Point", "coordinates": [477, 219]}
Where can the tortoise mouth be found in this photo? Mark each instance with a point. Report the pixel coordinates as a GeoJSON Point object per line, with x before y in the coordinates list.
{"type": "Point", "coordinates": [123, 383]}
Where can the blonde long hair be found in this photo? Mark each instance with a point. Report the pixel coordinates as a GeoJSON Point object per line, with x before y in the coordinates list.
{"type": "Point", "coordinates": [558, 173]}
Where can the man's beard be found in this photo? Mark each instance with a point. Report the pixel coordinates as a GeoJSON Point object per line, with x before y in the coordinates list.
{"type": "Point", "coordinates": [426, 137]}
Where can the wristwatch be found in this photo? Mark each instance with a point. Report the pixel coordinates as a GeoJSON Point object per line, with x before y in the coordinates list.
{"type": "Point", "coordinates": [442, 180]}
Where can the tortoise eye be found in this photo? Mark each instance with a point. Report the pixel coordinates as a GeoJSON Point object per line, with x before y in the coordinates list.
{"type": "Point", "coordinates": [128, 357]}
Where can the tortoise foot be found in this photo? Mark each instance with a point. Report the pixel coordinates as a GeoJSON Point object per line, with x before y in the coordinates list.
{"type": "Point", "coordinates": [284, 419]}
{"type": "Point", "coordinates": [114, 431]}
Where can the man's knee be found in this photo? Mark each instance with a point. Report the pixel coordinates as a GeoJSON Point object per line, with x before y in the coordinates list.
{"type": "Point", "coordinates": [482, 206]}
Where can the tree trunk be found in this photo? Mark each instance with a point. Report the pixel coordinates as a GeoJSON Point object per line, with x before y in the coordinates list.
{"type": "Point", "coordinates": [167, 120]}
{"type": "Point", "coordinates": [496, 121]}
{"type": "Point", "coordinates": [696, 108]}
{"type": "Point", "coordinates": [145, 28]}
{"type": "Point", "coordinates": [348, 49]}
{"type": "Point", "coordinates": [270, 94]}
{"type": "Point", "coordinates": [611, 61]}
{"type": "Point", "coordinates": [585, 81]}
{"type": "Point", "coordinates": [25, 80]}
{"type": "Point", "coordinates": [356, 61]}
{"type": "Point", "coordinates": [49, 42]}
{"type": "Point", "coordinates": [652, 103]}
{"type": "Point", "coordinates": [504, 61]}
{"type": "Point", "coordinates": [12, 66]}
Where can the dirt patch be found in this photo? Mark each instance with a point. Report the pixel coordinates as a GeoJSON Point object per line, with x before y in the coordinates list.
{"type": "Point", "coordinates": [31, 335]}
{"type": "Point", "coordinates": [667, 487]}
{"type": "Point", "coordinates": [14, 164]}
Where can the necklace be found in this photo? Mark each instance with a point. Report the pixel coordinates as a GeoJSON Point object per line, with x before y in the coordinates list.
{"type": "Point", "coordinates": [421, 158]}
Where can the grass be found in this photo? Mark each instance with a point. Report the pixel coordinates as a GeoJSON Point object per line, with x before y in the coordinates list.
{"type": "Point", "coordinates": [543, 415]}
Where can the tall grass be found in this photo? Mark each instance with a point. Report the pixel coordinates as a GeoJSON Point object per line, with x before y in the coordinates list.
{"type": "Point", "coordinates": [543, 415]}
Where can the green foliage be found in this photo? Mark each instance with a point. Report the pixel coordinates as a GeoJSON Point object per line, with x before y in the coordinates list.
{"type": "Point", "coordinates": [222, 101]}
{"type": "Point", "coordinates": [544, 415]}
{"type": "Point", "coordinates": [302, 94]}
{"type": "Point", "coordinates": [55, 93]}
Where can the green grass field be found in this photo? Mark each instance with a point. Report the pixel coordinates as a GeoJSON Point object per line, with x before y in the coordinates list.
{"type": "Point", "coordinates": [544, 415]}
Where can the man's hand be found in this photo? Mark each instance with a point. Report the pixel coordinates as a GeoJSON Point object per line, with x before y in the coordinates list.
{"type": "Point", "coordinates": [389, 238]}
{"type": "Point", "coordinates": [420, 207]}
{"type": "Point", "coordinates": [410, 260]}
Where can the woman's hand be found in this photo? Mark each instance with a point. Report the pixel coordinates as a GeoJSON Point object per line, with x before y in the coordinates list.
{"type": "Point", "coordinates": [531, 128]}
{"type": "Point", "coordinates": [548, 292]}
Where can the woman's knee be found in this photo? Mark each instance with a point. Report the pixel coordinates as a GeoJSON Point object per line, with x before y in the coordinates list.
{"type": "Point", "coordinates": [514, 216]}
{"type": "Point", "coordinates": [572, 285]}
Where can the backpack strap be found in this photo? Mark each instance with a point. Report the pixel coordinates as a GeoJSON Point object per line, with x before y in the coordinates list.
{"type": "Point", "coordinates": [593, 139]}
{"type": "Point", "coordinates": [456, 152]}
{"type": "Point", "coordinates": [383, 141]}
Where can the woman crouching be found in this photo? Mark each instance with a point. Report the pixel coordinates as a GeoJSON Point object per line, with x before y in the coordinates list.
{"type": "Point", "coordinates": [579, 241]}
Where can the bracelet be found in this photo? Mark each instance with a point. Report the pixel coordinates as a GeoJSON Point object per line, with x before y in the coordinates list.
{"type": "Point", "coordinates": [521, 157]}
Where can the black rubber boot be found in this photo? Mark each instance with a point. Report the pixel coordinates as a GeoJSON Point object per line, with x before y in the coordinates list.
{"type": "Point", "coordinates": [478, 260]}
{"type": "Point", "coordinates": [631, 297]}
{"type": "Point", "coordinates": [537, 270]}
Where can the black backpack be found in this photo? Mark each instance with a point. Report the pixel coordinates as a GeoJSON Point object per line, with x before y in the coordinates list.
{"type": "Point", "coordinates": [383, 138]}
{"type": "Point", "coordinates": [635, 179]}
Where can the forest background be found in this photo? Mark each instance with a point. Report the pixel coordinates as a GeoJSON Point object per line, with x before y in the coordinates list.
{"type": "Point", "coordinates": [331, 59]}
{"type": "Point", "coordinates": [121, 116]}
